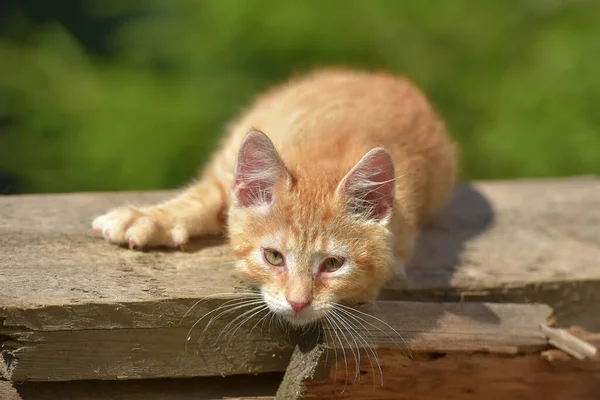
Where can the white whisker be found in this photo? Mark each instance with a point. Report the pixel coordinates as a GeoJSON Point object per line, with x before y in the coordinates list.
{"type": "Point", "coordinates": [261, 320]}
{"type": "Point", "coordinates": [243, 294]}
{"type": "Point", "coordinates": [341, 325]}
{"type": "Point", "coordinates": [231, 309]}
{"type": "Point", "coordinates": [383, 322]}
{"type": "Point", "coordinates": [332, 323]}
{"type": "Point", "coordinates": [369, 348]}
{"type": "Point", "coordinates": [238, 303]}
{"type": "Point", "coordinates": [212, 311]}
{"type": "Point", "coordinates": [260, 304]}
{"type": "Point", "coordinates": [332, 345]}
{"type": "Point", "coordinates": [256, 310]}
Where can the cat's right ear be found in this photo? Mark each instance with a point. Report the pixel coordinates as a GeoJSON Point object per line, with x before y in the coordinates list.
{"type": "Point", "coordinates": [259, 168]}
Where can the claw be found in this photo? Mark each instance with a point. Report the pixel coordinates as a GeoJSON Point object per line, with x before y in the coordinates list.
{"type": "Point", "coordinates": [131, 244]}
{"type": "Point", "coordinates": [182, 247]}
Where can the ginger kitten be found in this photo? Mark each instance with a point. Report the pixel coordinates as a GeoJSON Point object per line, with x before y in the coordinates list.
{"type": "Point", "coordinates": [323, 207]}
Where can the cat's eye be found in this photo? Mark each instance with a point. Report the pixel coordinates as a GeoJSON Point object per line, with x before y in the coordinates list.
{"type": "Point", "coordinates": [273, 257]}
{"type": "Point", "coordinates": [332, 264]}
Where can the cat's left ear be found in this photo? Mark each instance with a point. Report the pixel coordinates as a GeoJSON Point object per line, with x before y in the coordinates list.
{"type": "Point", "coordinates": [259, 168]}
{"type": "Point", "coordinates": [369, 187]}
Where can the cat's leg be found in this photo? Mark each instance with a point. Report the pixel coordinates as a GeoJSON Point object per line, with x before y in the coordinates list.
{"type": "Point", "coordinates": [196, 211]}
{"type": "Point", "coordinates": [403, 252]}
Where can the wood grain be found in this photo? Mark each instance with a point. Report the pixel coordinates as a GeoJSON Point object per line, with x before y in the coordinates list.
{"type": "Point", "coordinates": [483, 375]}
{"type": "Point", "coordinates": [66, 350]}
{"type": "Point", "coordinates": [493, 235]}
{"type": "Point", "coordinates": [466, 377]}
{"type": "Point", "coordinates": [530, 241]}
{"type": "Point", "coordinates": [137, 340]}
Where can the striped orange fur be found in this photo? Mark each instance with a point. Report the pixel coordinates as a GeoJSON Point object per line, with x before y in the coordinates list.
{"type": "Point", "coordinates": [339, 171]}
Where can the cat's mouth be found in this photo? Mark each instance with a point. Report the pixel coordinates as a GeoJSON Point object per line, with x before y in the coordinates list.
{"type": "Point", "coordinates": [304, 317]}
{"type": "Point", "coordinates": [300, 319]}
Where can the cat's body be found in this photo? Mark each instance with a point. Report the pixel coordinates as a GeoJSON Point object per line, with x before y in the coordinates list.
{"type": "Point", "coordinates": [297, 202]}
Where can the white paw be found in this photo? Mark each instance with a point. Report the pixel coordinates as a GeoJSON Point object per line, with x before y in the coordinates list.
{"type": "Point", "coordinates": [136, 228]}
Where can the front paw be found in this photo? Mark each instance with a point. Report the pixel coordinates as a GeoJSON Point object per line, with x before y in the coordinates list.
{"type": "Point", "coordinates": [140, 228]}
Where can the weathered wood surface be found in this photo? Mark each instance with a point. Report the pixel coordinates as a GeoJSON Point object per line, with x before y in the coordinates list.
{"type": "Point", "coordinates": [61, 287]}
{"type": "Point", "coordinates": [137, 340]}
{"type": "Point", "coordinates": [246, 387]}
{"type": "Point", "coordinates": [515, 241]}
{"type": "Point", "coordinates": [490, 375]}
{"type": "Point", "coordinates": [496, 241]}
{"type": "Point", "coordinates": [131, 342]}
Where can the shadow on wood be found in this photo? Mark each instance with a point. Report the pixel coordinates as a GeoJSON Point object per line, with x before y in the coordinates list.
{"type": "Point", "coordinates": [257, 387]}
{"type": "Point", "coordinates": [530, 241]}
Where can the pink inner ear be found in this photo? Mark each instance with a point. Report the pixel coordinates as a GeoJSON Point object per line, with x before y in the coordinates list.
{"type": "Point", "coordinates": [370, 185]}
{"type": "Point", "coordinates": [258, 169]}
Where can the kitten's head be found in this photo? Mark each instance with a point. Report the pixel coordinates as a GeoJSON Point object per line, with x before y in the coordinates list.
{"type": "Point", "coordinates": [310, 240]}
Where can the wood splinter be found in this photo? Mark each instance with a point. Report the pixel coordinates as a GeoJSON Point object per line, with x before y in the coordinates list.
{"type": "Point", "coordinates": [569, 343]}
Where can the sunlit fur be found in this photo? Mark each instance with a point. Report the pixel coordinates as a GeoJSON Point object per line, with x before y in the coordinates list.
{"type": "Point", "coordinates": [308, 223]}
{"type": "Point", "coordinates": [321, 125]}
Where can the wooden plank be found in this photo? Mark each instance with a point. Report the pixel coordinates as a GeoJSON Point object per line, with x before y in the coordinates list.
{"type": "Point", "coordinates": [573, 302]}
{"type": "Point", "coordinates": [125, 348]}
{"type": "Point", "coordinates": [464, 373]}
{"type": "Point", "coordinates": [464, 377]}
{"type": "Point", "coordinates": [514, 241]}
{"type": "Point", "coordinates": [496, 241]}
{"type": "Point", "coordinates": [137, 340]}
{"type": "Point", "coordinates": [517, 241]}
{"type": "Point", "coordinates": [249, 387]}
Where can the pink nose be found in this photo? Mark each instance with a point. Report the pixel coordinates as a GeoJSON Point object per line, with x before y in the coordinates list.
{"type": "Point", "coordinates": [298, 306]}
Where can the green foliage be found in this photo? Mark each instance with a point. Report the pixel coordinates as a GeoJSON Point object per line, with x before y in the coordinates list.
{"type": "Point", "coordinates": [134, 95]}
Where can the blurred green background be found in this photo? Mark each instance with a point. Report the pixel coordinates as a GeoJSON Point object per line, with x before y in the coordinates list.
{"type": "Point", "coordinates": [118, 95]}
